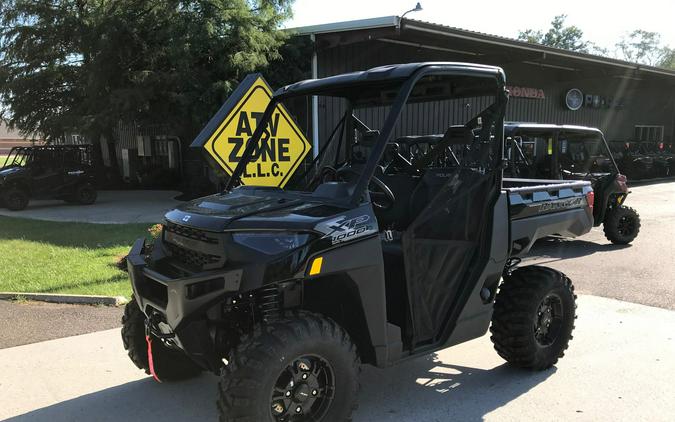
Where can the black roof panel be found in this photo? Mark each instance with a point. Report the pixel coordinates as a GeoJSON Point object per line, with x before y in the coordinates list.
{"type": "Point", "coordinates": [387, 73]}
{"type": "Point", "coordinates": [510, 126]}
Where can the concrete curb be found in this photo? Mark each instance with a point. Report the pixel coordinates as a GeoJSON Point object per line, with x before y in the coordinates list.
{"type": "Point", "coordinates": [65, 298]}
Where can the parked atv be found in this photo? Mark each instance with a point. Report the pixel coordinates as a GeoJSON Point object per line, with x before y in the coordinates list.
{"type": "Point", "coordinates": [642, 164]}
{"type": "Point", "coordinates": [663, 161]}
{"type": "Point", "coordinates": [577, 153]}
{"type": "Point", "coordinates": [47, 172]}
{"type": "Point", "coordinates": [362, 257]}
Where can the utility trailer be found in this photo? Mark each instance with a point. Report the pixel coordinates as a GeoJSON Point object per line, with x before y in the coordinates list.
{"type": "Point", "coordinates": [365, 256]}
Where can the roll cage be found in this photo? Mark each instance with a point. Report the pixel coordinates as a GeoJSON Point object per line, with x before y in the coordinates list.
{"type": "Point", "coordinates": [394, 86]}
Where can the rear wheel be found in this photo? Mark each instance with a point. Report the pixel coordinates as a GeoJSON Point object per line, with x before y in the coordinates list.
{"type": "Point", "coordinates": [169, 364]}
{"type": "Point", "coordinates": [533, 317]}
{"type": "Point", "coordinates": [621, 225]}
{"type": "Point", "coordinates": [303, 368]}
{"type": "Point", "coordinates": [85, 194]}
{"type": "Point", "coordinates": [16, 199]}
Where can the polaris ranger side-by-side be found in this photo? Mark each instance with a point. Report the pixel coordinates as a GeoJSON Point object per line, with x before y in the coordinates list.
{"type": "Point", "coordinates": [575, 153]}
{"type": "Point", "coordinates": [47, 172]}
{"type": "Point", "coordinates": [365, 256]}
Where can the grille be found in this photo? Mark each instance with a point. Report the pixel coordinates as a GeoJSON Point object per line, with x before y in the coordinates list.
{"type": "Point", "coordinates": [202, 251]}
{"type": "Point", "coordinates": [190, 233]}
{"type": "Point", "coordinates": [193, 258]}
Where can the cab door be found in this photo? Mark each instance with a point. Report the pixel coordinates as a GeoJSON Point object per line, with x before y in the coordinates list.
{"type": "Point", "coordinates": [446, 247]}
{"type": "Point", "coordinates": [46, 174]}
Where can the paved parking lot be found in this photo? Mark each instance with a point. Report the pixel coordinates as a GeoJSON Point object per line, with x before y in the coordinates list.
{"type": "Point", "coordinates": [619, 368]}
{"type": "Point", "coordinates": [133, 206]}
{"type": "Point", "coordinates": [32, 322]}
{"type": "Point", "coordinates": [643, 272]}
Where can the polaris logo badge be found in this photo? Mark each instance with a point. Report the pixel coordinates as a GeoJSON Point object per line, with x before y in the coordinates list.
{"type": "Point", "coordinates": [186, 218]}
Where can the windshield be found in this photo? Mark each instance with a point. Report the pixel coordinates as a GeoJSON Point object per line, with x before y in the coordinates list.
{"type": "Point", "coordinates": [352, 118]}
{"type": "Point", "coordinates": [585, 152]}
{"type": "Point", "coordinates": [18, 157]}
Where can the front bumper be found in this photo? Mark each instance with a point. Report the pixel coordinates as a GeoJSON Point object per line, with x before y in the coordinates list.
{"type": "Point", "coordinates": [173, 303]}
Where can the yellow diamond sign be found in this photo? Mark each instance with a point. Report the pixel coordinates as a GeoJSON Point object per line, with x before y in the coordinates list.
{"type": "Point", "coordinates": [282, 146]}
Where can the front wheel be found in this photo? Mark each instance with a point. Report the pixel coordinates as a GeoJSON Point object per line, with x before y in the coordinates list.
{"type": "Point", "coordinates": [85, 194]}
{"type": "Point", "coordinates": [169, 364]}
{"type": "Point", "coordinates": [621, 225]}
{"type": "Point", "coordinates": [16, 199]}
{"type": "Point", "coordinates": [533, 317]}
{"type": "Point", "coordinates": [300, 368]}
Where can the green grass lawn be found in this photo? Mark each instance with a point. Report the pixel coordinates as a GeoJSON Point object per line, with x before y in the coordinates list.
{"type": "Point", "coordinates": [54, 257]}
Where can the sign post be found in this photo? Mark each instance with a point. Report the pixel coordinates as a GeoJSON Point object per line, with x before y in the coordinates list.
{"type": "Point", "coordinates": [281, 149]}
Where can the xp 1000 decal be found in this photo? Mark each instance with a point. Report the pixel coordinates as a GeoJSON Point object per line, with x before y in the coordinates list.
{"type": "Point", "coordinates": [344, 228]}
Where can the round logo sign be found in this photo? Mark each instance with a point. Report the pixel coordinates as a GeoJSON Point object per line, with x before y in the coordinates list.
{"type": "Point", "coordinates": [574, 99]}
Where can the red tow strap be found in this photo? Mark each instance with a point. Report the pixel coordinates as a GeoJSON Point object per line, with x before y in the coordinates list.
{"type": "Point", "coordinates": [150, 361]}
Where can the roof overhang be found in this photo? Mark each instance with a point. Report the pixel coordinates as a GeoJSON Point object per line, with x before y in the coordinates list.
{"type": "Point", "coordinates": [357, 25]}
{"type": "Point", "coordinates": [395, 29]}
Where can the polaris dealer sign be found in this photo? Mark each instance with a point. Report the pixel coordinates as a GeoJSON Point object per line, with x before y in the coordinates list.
{"type": "Point", "coordinates": [282, 146]}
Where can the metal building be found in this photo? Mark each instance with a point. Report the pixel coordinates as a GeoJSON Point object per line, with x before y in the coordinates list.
{"type": "Point", "coordinates": [629, 102]}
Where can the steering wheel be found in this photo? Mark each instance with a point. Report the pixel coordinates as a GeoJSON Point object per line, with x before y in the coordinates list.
{"type": "Point", "coordinates": [398, 162]}
{"type": "Point", "coordinates": [328, 174]}
{"type": "Point", "coordinates": [380, 195]}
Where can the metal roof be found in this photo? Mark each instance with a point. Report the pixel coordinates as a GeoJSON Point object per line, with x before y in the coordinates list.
{"type": "Point", "coordinates": [453, 32]}
{"type": "Point", "coordinates": [381, 22]}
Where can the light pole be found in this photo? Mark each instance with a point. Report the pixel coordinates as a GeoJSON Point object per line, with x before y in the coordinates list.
{"type": "Point", "coordinates": [417, 8]}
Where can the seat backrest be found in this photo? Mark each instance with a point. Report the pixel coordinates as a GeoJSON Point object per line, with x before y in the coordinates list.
{"type": "Point", "coordinates": [458, 135]}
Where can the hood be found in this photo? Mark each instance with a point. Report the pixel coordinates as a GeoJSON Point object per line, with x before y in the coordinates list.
{"type": "Point", "coordinates": [251, 210]}
{"type": "Point", "coordinates": [6, 172]}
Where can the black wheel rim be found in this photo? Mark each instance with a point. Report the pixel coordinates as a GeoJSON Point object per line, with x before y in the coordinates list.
{"type": "Point", "coordinates": [303, 391]}
{"type": "Point", "coordinates": [86, 195]}
{"type": "Point", "coordinates": [15, 201]}
{"type": "Point", "coordinates": [548, 320]}
{"type": "Point", "coordinates": [626, 225]}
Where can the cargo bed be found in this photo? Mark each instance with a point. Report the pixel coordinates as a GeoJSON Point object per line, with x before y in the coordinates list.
{"type": "Point", "coordinates": [540, 208]}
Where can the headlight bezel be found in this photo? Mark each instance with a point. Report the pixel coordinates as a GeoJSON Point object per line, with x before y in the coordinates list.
{"type": "Point", "coordinates": [271, 242]}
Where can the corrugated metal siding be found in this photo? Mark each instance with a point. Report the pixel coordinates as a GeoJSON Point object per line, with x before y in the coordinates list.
{"type": "Point", "coordinates": [645, 102]}
{"type": "Point", "coordinates": [126, 135]}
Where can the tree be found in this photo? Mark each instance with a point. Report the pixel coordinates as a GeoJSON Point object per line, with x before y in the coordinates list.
{"type": "Point", "coordinates": [87, 64]}
{"type": "Point", "coordinates": [645, 47]}
{"type": "Point", "coordinates": [668, 61]}
{"type": "Point", "coordinates": [560, 36]}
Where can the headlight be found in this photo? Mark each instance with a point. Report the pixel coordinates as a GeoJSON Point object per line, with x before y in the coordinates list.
{"type": "Point", "coordinates": [271, 243]}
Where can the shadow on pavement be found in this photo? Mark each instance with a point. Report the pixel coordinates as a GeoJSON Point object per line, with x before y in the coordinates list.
{"type": "Point", "coordinates": [560, 248]}
{"type": "Point", "coordinates": [427, 389]}
{"type": "Point", "coordinates": [421, 389]}
{"type": "Point", "coordinates": [142, 400]}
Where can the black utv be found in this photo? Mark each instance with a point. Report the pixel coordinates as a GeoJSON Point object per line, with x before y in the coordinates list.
{"type": "Point", "coordinates": [567, 152]}
{"type": "Point", "coordinates": [47, 172]}
{"type": "Point", "coordinates": [362, 257]}
{"type": "Point", "coordinates": [663, 161]}
{"type": "Point", "coordinates": [632, 162]}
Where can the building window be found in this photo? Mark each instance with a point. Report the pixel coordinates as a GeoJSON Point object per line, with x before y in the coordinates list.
{"type": "Point", "coordinates": [649, 133]}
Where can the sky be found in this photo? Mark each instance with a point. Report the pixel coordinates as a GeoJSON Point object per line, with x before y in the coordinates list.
{"type": "Point", "coordinates": [603, 22]}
